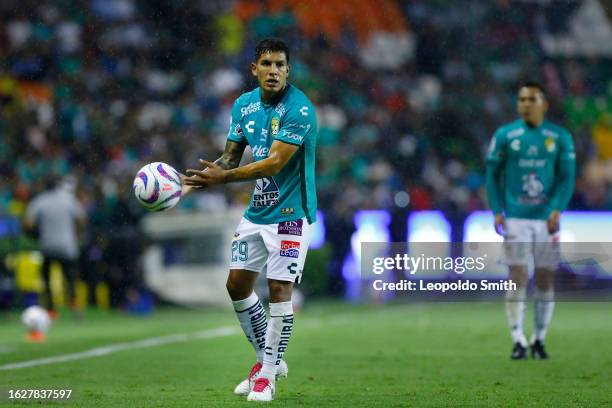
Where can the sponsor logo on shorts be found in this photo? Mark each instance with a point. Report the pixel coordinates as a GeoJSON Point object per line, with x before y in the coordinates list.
{"type": "Point", "coordinates": [291, 227]}
{"type": "Point", "coordinates": [236, 235]}
{"type": "Point", "coordinates": [290, 244]}
{"type": "Point", "coordinates": [290, 249]}
{"type": "Point", "coordinates": [290, 253]}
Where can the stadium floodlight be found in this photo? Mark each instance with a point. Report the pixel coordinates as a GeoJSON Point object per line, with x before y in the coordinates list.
{"type": "Point", "coordinates": [428, 226]}
{"type": "Point", "coordinates": [318, 232]}
{"type": "Point", "coordinates": [371, 226]}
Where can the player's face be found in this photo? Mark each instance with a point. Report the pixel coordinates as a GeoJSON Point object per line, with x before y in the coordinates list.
{"type": "Point", "coordinates": [532, 105]}
{"type": "Point", "coordinates": [272, 71]}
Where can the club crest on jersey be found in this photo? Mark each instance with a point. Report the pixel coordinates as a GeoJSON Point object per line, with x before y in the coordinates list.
{"type": "Point", "coordinates": [291, 227]}
{"type": "Point", "coordinates": [550, 145]}
{"type": "Point", "coordinates": [274, 126]}
{"type": "Point", "coordinates": [266, 192]}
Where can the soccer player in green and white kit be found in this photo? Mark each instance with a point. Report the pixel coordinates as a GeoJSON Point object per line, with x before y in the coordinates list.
{"type": "Point", "coordinates": [530, 180]}
{"type": "Point", "coordinates": [279, 123]}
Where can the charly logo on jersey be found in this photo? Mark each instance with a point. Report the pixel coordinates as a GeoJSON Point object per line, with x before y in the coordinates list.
{"type": "Point", "coordinates": [550, 145]}
{"type": "Point", "coordinates": [515, 145]}
{"type": "Point", "coordinates": [274, 126]}
{"type": "Point", "coordinates": [266, 192]}
{"type": "Point", "coordinates": [532, 185]}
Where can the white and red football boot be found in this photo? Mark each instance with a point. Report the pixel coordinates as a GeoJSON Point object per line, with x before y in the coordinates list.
{"type": "Point", "coordinates": [245, 387]}
{"type": "Point", "coordinates": [263, 390]}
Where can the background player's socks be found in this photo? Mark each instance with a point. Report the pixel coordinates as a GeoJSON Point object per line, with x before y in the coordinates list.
{"type": "Point", "coordinates": [253, 320]}
{"type": "Point", "coordinates": [544, 304]}
{"type": "Point", "coordinates": [515, 311]}
{"type": "Point", "coordinates": [277, 337]}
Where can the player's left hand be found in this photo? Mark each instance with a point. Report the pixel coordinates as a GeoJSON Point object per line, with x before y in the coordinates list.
{"type": "Point", "coordinates": [210, 175]}
{"type": "Point", "coordinates": [553, 222]}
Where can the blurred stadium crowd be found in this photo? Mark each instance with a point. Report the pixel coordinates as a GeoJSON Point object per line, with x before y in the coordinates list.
{"type": "Point", "coordinates": [408, 95]}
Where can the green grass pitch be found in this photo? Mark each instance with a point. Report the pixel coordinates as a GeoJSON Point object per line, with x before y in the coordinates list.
{"type": "Point", "coordinates": [339, 356]}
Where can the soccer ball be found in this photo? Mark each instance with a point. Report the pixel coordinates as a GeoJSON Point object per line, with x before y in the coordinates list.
{"type": "Point", "coordinates": [157, 186]}
{"type": "Point", "coordinates": [36, 319]}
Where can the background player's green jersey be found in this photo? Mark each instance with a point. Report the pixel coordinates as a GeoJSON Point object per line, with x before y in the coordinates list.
{"type": "Point", "coordinates": [291, 194]}
{"type": "Point", "coordinates": [530, 171]}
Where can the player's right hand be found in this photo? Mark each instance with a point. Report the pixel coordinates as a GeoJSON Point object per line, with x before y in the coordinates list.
{"type": "Point", "coordinates": [553, 222]}
{"type": "Point", "coordinates": [500, 224]}
{"type": "Point", "coordinates": [187, 189]}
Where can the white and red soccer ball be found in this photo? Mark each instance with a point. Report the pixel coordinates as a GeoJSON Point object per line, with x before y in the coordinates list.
{"type": "Point", "coordinates": [157, 186]}
{"type": "Point", "coordinates": [36, 319]}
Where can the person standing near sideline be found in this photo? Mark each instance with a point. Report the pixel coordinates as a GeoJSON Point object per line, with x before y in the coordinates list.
{"type": "Point", "coordinates": [57, 214]}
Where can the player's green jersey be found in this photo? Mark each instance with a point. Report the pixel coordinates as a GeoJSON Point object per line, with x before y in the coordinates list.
{"type": "Point", "coordinates": [530, 171]}
{"type": "Point", "coordinates": [291, 194]}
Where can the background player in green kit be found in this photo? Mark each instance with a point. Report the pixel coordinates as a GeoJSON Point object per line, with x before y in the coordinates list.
{"type": "Point", "coordinates": [279, 123]}
{"type": "Point", "coordinates": [530, 180]}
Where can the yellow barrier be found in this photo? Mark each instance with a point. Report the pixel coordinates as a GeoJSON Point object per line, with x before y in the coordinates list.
{"type": "Point", "coordinates": [28, 278]}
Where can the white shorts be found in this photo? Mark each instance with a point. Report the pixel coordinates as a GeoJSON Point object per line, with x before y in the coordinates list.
{"type": "Point", "coordinates": [527, 242]}
{"type": "Point", "coordinates": [277, 249]}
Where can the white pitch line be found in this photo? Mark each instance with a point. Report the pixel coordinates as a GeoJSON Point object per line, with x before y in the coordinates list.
{"type": "Point", "coordinates": [114, 348]}
{"type": "Point", "coordinates": [156, 341]}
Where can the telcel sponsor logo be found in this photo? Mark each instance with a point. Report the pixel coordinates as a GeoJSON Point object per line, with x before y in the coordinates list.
{"type": "Point", "coordinates": [260, 151]}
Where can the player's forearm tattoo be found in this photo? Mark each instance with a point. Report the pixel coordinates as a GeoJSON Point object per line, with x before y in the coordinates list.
{"type": "Point", "coordinates": [247, 173]}
{"type": "Point", "coordinates": [231, 156]}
